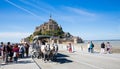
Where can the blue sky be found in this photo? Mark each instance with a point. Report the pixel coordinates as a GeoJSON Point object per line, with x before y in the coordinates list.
{"type": "Point", "coordinates": [89, 19]}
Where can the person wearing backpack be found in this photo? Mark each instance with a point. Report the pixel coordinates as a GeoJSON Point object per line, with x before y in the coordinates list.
{"type": "Point", "coordinates": [91, 47]}
{"type": "Point", "coordinates": [21, 51]}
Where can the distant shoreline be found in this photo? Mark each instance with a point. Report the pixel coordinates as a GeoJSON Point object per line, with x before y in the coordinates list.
{"type": "Point", "coordinates": [104, 40]}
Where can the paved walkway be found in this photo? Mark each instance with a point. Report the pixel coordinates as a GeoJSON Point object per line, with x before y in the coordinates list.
{"type": "Point", "coordinates": [25, 63]}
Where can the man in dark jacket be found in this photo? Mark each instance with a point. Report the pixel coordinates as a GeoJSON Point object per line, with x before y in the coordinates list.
{"type": "Point", "coordinates": [8, 52]}
{"type": "Point", "coordinates": [102, 48]}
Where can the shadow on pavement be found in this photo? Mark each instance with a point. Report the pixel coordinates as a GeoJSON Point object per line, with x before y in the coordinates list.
{"type": "Point", "coordinates": [62, 58]}
{"type": "Point", "coordinates": [61, 55]}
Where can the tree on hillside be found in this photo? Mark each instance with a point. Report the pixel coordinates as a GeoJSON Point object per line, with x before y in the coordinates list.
{"type": "Point", "coordinates": [37, 33]}
{"type": "Point", "coordinates": [29, 38]}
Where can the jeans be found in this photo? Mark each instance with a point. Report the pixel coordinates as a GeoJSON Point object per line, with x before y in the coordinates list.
{"type": "Point", "coordinates": [90, 50]}
{"type": "Point", "coordinates": [6, 57]}
{"type": "Point", "coordinates": [15, 59]}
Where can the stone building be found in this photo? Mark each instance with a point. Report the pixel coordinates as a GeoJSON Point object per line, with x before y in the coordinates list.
{"type": "Point", "coordinates": [48, 26]}
{"type": "Point", "coordinates": [52, 25]}
{"type": "Point", "coordinates": [24, 40]}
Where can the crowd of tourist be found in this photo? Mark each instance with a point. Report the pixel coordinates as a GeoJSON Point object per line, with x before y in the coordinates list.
{"type": "Point", "coordinates": [105, 48]}
{"type": "Point", "coordinates": [11, 52]}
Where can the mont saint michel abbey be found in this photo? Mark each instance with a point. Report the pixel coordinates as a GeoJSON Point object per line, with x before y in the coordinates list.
{"type": "Point", "coordinates": [50, 27]}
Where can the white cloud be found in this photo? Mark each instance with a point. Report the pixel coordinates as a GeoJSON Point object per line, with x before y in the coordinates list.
{"type": "Point", "coordinates": [40, 6]}
{"type": "Point", "coordinates": [24, 9]}
{"type": "Point", "coordinates": [34, 5]}
{"type": "Point", "coordinates": [13, 36]}
{"type": "Point", "coordinates": [79, 11]}
{"type": "Point", "coordinates": [21, 8]}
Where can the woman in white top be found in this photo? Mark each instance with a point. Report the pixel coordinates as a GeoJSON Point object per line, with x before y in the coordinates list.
{"type": "Point", "coordinates": [88, 46]}
{"type": "Point", "coordinates": [108, 47]}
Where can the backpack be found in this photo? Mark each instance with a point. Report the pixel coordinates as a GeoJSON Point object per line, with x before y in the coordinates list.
{"type": "Point", "coordinates": [21, 50]}
{"type": "Point", "coordinates": [92, 45]}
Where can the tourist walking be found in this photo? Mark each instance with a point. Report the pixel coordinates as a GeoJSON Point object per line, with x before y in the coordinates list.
{"type": "Point", "coordinates": [69, 47]}
{"type": "Point", "coordinates": [10, 51]}
{"type": "Point", "coordinates": [102, 48]}
{"type": "Point", "coordinates": [27, 49]}
{"type": "Point", "coordinates": [16, 52]}
{"type": "Point", "coordinates": [88, 46]}
{"type": "Point", "coordinates": [91, 47]}
{"type": "Point", "coordinates": [5, 53]}
{"type": "Point", "coordinates": [108, 47]}
{"type": "Point", "coordinates": [2, 52]}
{"type": "Point", "coordinates": [1, 49]}
{"type": "Point", "coordinates": [21, 51]}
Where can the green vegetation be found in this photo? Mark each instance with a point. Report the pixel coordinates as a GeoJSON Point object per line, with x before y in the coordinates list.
{"type": "Point", "coordinates": [29, 38]}
{"type": "Point", "coordinates": [58, 32]}
{"type": "Point", "coordinates": [37, 33]}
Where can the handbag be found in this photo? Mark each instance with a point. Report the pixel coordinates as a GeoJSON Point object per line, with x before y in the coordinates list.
{"type": "Point", "coordinates": [14, 54]}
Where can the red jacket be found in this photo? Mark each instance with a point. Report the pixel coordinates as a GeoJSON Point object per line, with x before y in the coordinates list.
{"type": "Point", "coordinates": [16, 49]}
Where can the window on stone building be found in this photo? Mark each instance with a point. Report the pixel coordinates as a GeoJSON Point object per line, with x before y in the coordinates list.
{"type": "Point", "coordinates": [51, 26]}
